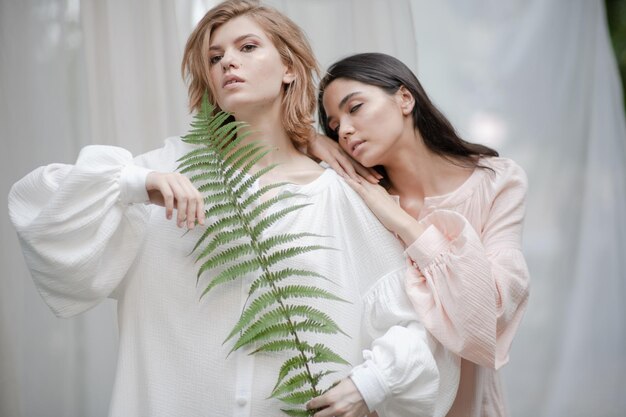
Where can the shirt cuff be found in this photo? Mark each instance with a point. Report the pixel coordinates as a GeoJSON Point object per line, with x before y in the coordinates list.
{"type": "Point", "coordinates": [428, 246]}
{"type": "Point", "coordinates": [370, 384]}
{"type": "Point", "coordinates": [133, 184]}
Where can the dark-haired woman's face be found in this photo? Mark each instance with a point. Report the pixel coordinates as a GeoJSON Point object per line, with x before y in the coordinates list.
{"type": "Point", "coordinates": [368, 121]}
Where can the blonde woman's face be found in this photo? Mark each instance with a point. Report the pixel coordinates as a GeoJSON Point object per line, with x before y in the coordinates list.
{"type": "Point", "coordinates": [246, 70]}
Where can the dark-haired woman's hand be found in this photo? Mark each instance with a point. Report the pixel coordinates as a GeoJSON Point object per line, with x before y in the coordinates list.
{"type": "Point", "coordinates": [343, 400]}
{"type": "Point", "coordinates": [389, 212]}
{"type": "Point", "coordinates": [329, 151]}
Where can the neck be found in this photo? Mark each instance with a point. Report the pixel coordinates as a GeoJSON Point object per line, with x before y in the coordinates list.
{"type": "Point", "coordinates": [266, 126]}
{"type": "Point", "coordinates": [415, 172]}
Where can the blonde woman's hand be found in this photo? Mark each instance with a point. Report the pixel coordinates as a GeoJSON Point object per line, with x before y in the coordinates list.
{"type": "Point", "coordinates": [329, 151]}
{"type": "Point", "coordinates": [174, 191]}
{"type": "Point", "coordinates": [387, 210]}
{"type": "Point", "coordinates": [343, 400]}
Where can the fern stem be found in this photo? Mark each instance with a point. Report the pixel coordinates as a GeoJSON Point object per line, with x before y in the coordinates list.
{"type": "Point", "coordinates": [262, 256]}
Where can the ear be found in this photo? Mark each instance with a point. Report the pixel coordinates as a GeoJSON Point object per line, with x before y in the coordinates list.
{"type": "Point", "coordinates": [405, 100]}
{"type": "Point", "coordinates": [289, 75]}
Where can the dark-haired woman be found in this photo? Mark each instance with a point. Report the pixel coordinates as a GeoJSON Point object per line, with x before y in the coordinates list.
{"type": "Point", "coordinates": [457, 206]}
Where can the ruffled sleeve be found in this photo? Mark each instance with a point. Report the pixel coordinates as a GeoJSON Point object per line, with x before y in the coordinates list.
{"type": "Point", "coordinates": [81, 226]}
{"type": "Point", "coordinates": [406, 372]}
{"type": "Point", "coordinates": [471, 289]}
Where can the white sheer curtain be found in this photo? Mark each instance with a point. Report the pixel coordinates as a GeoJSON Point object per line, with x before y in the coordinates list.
{"type": "Point", "coordinates": [535, 79]}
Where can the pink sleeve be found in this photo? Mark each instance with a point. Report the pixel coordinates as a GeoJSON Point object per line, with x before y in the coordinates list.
{"type": "Point", "coordinates": [470, 290]}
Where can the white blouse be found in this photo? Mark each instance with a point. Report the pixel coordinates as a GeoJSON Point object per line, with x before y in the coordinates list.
{"type": "Point", "coordinates": [87, 235]}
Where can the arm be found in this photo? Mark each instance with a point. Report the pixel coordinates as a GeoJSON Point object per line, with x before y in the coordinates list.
{"type": "Point", "coordinates": [81, 226]}
{"type": "Point", "coordinates": [469, 290]}
{"type": "Point", "coordinates": [405, 372]}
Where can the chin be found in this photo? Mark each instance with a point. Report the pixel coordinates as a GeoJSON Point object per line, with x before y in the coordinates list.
{"type": "Point", "coordinates": [227, 105]}
{"type": "Point", "coordinates": [236, 105]}
{"type": "Point", "coordinates": [367, 163]}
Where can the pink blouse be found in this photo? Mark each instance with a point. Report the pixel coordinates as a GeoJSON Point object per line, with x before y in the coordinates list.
{"type": "Point", "coordinates": [468, 279]}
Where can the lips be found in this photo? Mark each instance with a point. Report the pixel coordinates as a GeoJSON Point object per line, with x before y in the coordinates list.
{"type": "Point", "coordinates": [231, 80]}
{"type": "Point", "coordinates": [354, 146]}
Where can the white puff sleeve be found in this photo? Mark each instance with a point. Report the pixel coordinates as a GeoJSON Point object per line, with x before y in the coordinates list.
{"type": "Point", "coordinates": [406, 372]}
{"type": "Point", "coordinates": [79, 226]}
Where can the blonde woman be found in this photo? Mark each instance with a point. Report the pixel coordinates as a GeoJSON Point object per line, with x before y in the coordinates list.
{"type": "Point", "coordinates": [109, 226]}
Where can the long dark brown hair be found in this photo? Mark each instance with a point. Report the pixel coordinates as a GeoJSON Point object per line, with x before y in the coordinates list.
{"type": "Point", "coordinates": [390, 74]}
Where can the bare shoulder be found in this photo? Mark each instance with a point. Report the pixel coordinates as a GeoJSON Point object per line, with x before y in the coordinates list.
{"type": "Point", "coordinates": [303, 171]}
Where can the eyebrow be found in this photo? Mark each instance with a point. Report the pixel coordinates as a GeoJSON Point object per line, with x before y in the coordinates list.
{"type": "Point", "coordinates": [237, 40]}
{"type": "Point", "coordinates": [346, 98]}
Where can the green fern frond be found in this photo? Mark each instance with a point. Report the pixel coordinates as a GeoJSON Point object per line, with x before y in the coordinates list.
{"type": "Point", "coordinates": [297, 412]}
{"type": "Point", "coordinates": [297, 381]}
{"type": "Point", "coordinates": [266, 299]}
{"type": "Point", "coordinates": [290, 365]}
{"type": "Point", "coordinates": [239, 157]}
{"type": "Point", "coordinates": [323, 354]}
{"type": "Point", "coordinates": [251, 312]}
{"type": "Point", "coordinates": [227, 256]}
{"type": "Point", "coordinates": [254, 197]}
{"type": "Point", "coordinates": [215, 210]}
{"type": "Point", "coordinates": [221, 238]}
{"type": "Point", "coordinates": [304, 291]}
{"type": "Point", "coordinates": [282, 254]}
{"type": "Point", "coordinates": [300, 397]}
{"type": "Point", "coordinates": [235, 244]}
{"type": "Point", "coordinates": [217, 197]}
{"type": "Point", "coordinates": [247, 161]}
{"type": "Point", "coordinates": [266, 279]}
{"type": "Point", "coordinates": [231, 273]}
{"type": "Point", "coordinates": [273, 241]}
{"type": "Point", "coordinates": [281, 330]}
{"type": "Point", "coordinates": [210, 186]}
{"type": "Point", "coordinates": [251, 179]}
{"type": "Point", "coordinates": [205, 176]}
{"type": "Point", "coordinates": [273, 218]}
{"type": "Point", "coordinates": [223, 223]}
{"type": "Point", "coordinates": [199, 161]}
{"type": "Point", "coordinates": [281, 346]}
{"type": "Point", "coordinates": [274, 322]}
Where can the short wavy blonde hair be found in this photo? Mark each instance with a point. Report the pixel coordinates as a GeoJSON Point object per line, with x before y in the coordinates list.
{"type": "Point", "coordinates": [298, 101]}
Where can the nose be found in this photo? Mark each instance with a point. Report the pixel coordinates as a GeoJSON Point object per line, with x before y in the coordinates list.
{"type": "Point", "coordinates": [229, 60]}
{"type": "Point", "coordinates": [346, 130]}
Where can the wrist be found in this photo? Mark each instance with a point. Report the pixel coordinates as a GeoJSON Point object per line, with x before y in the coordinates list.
{"type": "Point", "coordinates": [409, 229]}
{"type": "Point", "coordinates": [370, 384]}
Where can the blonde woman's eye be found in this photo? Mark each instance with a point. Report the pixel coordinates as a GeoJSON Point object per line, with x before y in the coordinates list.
{"type": "Point", "coordinates": [215, 59]}
{"type": "Point", "coordinates": [248, 47]}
